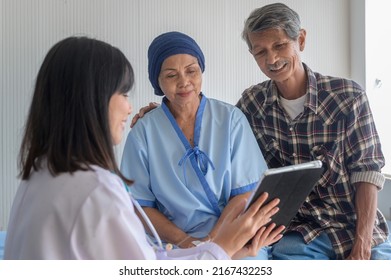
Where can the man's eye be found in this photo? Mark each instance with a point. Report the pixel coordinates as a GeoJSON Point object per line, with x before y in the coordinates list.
{"type": "Point", "coordinates": [260, 53]}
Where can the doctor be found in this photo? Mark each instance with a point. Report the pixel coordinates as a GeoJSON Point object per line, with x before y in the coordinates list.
{"type": "Point", "coordinates": [72, 202]}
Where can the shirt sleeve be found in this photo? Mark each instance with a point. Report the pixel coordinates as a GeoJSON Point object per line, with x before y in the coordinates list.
{"type": "Point", "coordinates": [365, 158]}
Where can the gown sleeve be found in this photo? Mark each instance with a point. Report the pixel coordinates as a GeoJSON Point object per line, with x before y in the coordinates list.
{"type": "Point", "coordinates": [246, 155]}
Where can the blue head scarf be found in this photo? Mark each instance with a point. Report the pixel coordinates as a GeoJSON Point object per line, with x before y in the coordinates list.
{"type": "Point", "coordinates": [168, 44]}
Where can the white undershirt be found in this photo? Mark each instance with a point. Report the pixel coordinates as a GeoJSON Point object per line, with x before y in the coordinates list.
{"type": "Point", "coordinates": [293, 107]}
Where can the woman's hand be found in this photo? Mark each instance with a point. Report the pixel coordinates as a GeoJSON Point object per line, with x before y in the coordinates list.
{"type": "Point", "coordinates": [264, 237]}
{"type": "Point", "coordinates": [239, 227]}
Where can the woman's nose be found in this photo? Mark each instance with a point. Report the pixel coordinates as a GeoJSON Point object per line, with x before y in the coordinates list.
{"type": "Point", "coordinates": [183, 80]}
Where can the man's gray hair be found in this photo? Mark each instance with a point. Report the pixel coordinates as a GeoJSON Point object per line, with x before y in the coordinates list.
{"type": "Point", "coordinates": [278, 16]}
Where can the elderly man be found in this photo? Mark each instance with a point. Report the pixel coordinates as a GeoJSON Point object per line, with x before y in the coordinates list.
{"type": "Point", "coordinates": [300, 115]}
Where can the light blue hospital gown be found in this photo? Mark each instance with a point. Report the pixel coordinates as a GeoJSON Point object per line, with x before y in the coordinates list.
{"type": "Point", "coordinates": [191, 186]}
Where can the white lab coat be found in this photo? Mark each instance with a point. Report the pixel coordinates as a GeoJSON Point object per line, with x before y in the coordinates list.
{"type": "Point", "coordinates": [86, 215]}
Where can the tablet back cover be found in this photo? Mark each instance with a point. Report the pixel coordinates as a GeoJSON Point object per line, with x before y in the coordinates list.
{"type": "Point", "coordinates": [291, 186]}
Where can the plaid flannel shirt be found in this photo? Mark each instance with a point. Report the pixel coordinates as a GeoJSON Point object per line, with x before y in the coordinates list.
{"type": "Point", "coordinates": [336, 127]}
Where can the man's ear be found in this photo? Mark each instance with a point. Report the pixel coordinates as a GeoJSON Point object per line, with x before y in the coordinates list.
{"type": "Point", "coordinates": [301, 39]}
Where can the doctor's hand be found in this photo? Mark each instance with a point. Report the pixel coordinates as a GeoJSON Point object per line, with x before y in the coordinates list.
{"type": "Point", "coordinates": [264, 237]}
{"type": "Point", "coordinates": [239, 227]}
{"type": "Point", "coordinates": [142, 112]}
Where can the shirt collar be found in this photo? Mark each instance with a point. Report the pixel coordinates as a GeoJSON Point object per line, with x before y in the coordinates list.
{"type": "Point", "coordinates": [312, 92]}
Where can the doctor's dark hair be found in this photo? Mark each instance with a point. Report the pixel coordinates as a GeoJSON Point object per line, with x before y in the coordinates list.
{"type": "Point", "coordinates": [277, 16]}
{"type": "Point", "coordinates": [67, 124]}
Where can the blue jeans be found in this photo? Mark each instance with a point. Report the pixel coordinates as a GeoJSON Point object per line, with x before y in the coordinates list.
{"type": "Point", "coordinates": [293, 247]}
{"type": "Point", "coordinates": [263, 254]}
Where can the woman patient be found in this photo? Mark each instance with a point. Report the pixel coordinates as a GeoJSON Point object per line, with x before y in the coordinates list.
{"type": "Point", "coordinates": [193, 156]}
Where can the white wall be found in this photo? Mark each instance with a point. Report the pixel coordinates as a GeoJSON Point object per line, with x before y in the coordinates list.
{"type": "Point", "coordinates": [357, 39]}
{"type": "Point", "coordinates": [29, 28]}
{"type": "Point", "coordinates": [369, 23]}
{"type": "Point", "coordinates": [377, 61]}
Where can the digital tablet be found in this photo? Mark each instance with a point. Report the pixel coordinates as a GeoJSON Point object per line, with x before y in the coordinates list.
{"type": "Point", "coordinates": [291, 184]}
